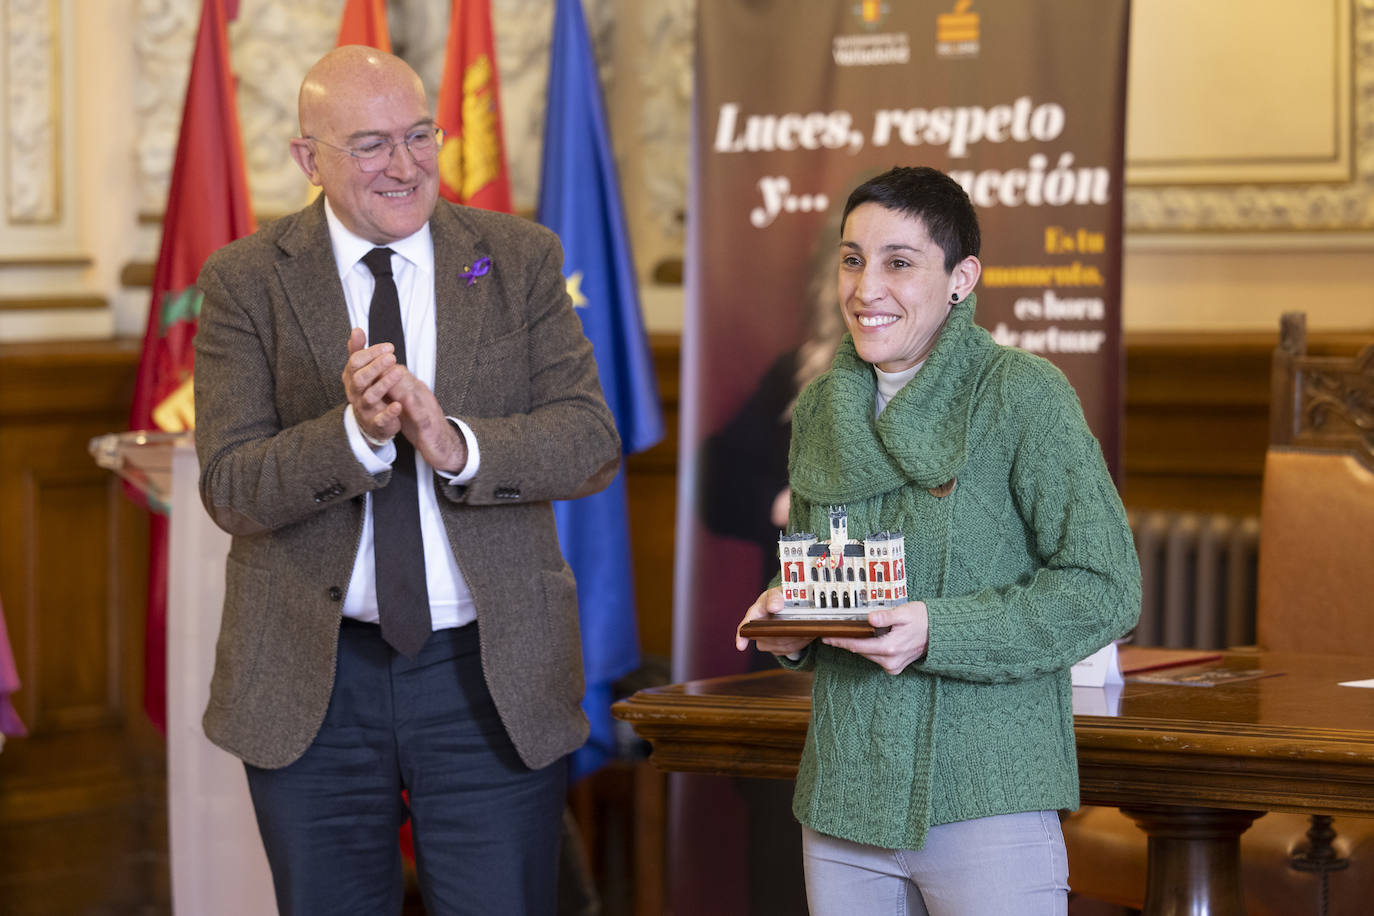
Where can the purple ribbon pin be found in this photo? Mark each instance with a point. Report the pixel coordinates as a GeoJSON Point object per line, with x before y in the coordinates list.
{"type": "Point", "coordinates": [480, 269]}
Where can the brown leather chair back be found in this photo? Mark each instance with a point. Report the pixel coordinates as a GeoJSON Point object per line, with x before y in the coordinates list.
{"type": "Point", "coordinates": [1316, 562]}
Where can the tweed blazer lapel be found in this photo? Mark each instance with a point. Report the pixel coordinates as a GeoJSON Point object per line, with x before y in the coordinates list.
{"type": "Point", "coordinates": [459, 306]}
{"type": "Point", "coordinates": [310, 278]}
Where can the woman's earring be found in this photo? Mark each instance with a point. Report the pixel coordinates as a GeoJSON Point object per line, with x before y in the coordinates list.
{"type": "Point", "coordinates": [954, 297]}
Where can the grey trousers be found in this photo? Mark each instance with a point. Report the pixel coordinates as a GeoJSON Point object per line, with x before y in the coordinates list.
{"type": "Point", "coordinates": [1011, 865]}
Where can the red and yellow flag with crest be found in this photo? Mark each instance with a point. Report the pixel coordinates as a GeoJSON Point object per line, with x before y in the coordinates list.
{"type": "Point", "coordinates": [472, 163]}
{"type": "Point", "coordinates": [207, 207]}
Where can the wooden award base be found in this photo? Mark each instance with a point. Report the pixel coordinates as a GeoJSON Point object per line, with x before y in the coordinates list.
{"type": "Point", "coordinates": [796, 626]}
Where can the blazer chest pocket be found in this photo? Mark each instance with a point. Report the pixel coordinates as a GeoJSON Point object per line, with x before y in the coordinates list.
{"type": "Point", "coordinates": [247, 594]}
{"type": "Point", "coordinates": [501, 383]}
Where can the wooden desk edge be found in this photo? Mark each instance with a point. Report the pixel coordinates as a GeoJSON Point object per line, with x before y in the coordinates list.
{"type": "Point", "coordinates": [701, 727]}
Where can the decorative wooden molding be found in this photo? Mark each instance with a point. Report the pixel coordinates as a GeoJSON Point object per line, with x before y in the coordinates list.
{"type": "Point", "coordinates": [1321, 401]}
{"type": "Point", "coordinates": [1338, 402]}
{"type": "Point", "coordinates": [45, 261]}
{"type": "Point", "coordinates": [137, 274]}
{"type": "Point", "coordinates": [68, 377]}
{"type": "Point", "coordinates": [54, 303]}
{"type": "Point", "coordinates": [668, 272]}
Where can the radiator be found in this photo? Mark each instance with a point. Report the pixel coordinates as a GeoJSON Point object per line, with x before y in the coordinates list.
{"type": "Point", "coordinates": [1198, 575]}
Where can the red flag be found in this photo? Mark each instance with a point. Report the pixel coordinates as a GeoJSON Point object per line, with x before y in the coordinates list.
{"type": "Point", "coordinates": [207, 207]}
{"type": "Point", "coordinates": [472, 164]}
{"type": "Point", "coordinates": [364, 23]}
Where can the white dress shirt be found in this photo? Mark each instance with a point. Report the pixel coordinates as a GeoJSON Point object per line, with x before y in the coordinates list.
{"type": "Point", "coordinates": [412, 265]}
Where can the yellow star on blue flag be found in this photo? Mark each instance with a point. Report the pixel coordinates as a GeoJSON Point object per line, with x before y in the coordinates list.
{"type": "Point", "coordinates": [579, 199]}
{"type": "Point", "coordinates": [574, 287]}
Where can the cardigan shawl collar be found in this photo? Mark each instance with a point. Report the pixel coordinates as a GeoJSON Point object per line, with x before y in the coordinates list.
{"type": "Point", "coordinates": [921, 438]}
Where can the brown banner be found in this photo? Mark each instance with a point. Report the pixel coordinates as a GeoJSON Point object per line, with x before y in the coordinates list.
{"type": "Point", "coordinates": [796, 103]}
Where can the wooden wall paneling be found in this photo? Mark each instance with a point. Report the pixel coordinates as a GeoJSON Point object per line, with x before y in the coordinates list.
{"type": "Point", "coordinates": [1197, 417]}
{"type": "Point", "coordinates": [651, 482]}
{"type": "Point", "coordinates": [83, 799]}
{"type": "Point", "coordinates": [74, 637]}
{"type": "Point", "coordinates": [1196, 421]}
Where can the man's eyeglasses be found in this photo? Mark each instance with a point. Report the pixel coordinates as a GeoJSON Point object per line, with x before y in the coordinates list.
{"type": "Point", "coordinates": [374, 153]}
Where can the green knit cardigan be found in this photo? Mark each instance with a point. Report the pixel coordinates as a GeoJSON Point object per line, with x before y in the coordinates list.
{"type": "Point", "coordinates": [1026, 566]}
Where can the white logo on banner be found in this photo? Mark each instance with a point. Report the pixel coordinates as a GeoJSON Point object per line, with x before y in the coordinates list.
{"type": "Point", "coordinates": [956, 35]}
{"type": "Point", "coordinates": [871, 49]}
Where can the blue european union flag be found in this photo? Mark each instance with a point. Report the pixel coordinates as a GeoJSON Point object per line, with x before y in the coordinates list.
{"type": "Point", "coordinates": [579, 198]}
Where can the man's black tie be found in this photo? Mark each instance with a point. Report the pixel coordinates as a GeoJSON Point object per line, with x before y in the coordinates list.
{"type": "Point", "coordinates": [402, 594]}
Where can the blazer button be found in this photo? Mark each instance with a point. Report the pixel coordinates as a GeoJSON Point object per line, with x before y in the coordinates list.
{"type": "Point", "coordinates": [335, 593]}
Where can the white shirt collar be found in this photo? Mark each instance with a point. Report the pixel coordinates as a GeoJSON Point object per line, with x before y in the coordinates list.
{"type": "Point", "coordinates": [349, 249]}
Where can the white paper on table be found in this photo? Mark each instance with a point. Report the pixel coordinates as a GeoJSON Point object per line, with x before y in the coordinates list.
{"type": "Point", "coordinates": [1097, 701]}
{"type": "Point", "coordinates": [1368, 683]}
{"type": "Point", "coordinates": [1101, 668]}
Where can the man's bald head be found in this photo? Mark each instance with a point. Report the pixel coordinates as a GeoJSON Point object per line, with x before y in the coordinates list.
{"type": "Point", "coordinates": [347, 74]}
{"type": "Point", "coordinates": [355, 99]}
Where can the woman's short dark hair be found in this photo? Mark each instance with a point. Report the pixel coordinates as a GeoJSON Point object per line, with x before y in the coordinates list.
{"type": "Point", "coordinates": [931, 196]}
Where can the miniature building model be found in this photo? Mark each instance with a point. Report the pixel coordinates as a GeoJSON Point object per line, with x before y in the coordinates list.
{"type": "Point", "coordinates": [842, 578]}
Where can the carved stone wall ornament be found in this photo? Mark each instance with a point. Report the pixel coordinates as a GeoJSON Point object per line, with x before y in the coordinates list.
{"type": "Point", "coordinates": [669, 34]}
{"type": "Point", "coordinates": [33, 77]}
{"type": "Point", "coordinates": [524, 29]}
{"type": "Point", "coordinates": [163, 41]}
{"type": "Point", "coordinates": [273, 44]}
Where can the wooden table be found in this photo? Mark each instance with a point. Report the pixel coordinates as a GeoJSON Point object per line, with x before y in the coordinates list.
{"type": "Point", "coordinates": [1193, 766]}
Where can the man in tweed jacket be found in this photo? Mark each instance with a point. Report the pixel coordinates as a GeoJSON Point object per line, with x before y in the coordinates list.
{"type": "Point", "coordinates": [296, 416]}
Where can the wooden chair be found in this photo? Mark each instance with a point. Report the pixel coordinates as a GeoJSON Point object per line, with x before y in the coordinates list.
{"type": "Point", "coordinates": [1316, 594]}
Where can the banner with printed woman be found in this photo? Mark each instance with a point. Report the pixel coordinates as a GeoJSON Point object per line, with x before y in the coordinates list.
{"type": "Point", "coordinates": [796, 104]}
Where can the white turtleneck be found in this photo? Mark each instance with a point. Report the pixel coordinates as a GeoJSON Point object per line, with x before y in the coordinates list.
{"type": "Point", "coordinates": [889, 383]}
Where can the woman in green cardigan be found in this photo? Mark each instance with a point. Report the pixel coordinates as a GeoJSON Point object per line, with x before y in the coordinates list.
{"type": "Point", "coordinates": [939, 753]}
